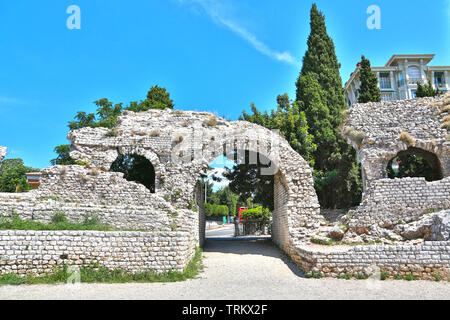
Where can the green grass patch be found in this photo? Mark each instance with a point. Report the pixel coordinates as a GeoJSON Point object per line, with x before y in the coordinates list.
{"type": "Point", "coordinates": [315, 275]}
{"type": "Point", "coordinates": [410, 277]}
{"type": "Point", "coordinates": [59, 222]}
{"type": "Point", "coordinates": [384, 275]}
{"type": "Point", "coordinates": [346, 276]}
{"type": "Point", "coordinates": [96, 274]}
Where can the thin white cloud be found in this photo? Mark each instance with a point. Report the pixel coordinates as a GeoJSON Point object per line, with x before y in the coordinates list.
{"type": "Point", "coordinates": [9, 100]}
{"type": "Point", "coordinates": [217, 12]}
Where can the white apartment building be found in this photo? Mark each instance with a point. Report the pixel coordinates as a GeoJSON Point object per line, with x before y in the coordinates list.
{"type": "Point", "coordinates": [398, 79]}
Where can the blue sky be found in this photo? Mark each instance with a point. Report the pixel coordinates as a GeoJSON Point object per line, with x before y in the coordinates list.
{"type": "Point", "coordinates": [211, 55]}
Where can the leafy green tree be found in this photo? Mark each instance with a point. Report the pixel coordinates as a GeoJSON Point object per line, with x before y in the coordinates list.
{"type": "Point", "coordinates": [412, 166]}
{"type": "Point", "coordinates": [157, 98]}
{"type": "Point", "coordinates": [259, 213]}
{"type": "Point", "coordinates": [13, 175]}
{"type": "Point", "coordinates": [106, 117]}
{"type": "Point", "coordinates": [63, 152]}
{"type": "Point", "coordinates": [290, 121]}
{"type": "Point", "coordinates": [368, 91]}
{"type": "Point", "coordinates": [320, 95]}
{"type": "Point", "coordinates": [247, 181]}
{"type": "Point", "coordinates": [426, 90]}
{"type": "Point", "coordinates": [135, 168]}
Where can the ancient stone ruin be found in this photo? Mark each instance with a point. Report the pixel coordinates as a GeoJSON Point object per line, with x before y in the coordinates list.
{"type": "Point", "coordinates": [383, 131]}
{"type": "Point", "coordinates": [160, 227]}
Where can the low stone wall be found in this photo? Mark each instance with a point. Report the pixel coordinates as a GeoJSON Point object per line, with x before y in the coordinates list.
{"type": "Point", "coordinates": [390, 201]}
{"type": "Point", "coordinates": [423, 261]}
{"type": "Point", "coordinates": [38, 252]}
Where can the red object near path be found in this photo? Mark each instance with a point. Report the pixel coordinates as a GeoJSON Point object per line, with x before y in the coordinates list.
{"type": "Point", "coordinates": [240, 210]}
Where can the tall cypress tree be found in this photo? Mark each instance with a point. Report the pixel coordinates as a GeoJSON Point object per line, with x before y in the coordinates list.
{"type": "Point", "coordinates": [320, 95]}
{"type": "Point", "coordinates": [368, 91]}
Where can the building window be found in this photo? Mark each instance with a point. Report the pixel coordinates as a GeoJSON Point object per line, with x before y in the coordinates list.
{"type": "Point", "coordinates": [401, 80]}
{"type": "Point", "coordinates": [439, 79]}
{"type": "Point", "coordinates": [413, 94]}
{"type": "Point", "coordinates": [385, 81]}
{"type": "Point", "coordinates": [414, 74]}
{"type": "Point", "coordinates": [386, 96]}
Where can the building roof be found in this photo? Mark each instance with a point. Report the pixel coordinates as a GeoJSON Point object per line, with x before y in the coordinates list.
{"type": "Point", "coordinates": [426, 57]}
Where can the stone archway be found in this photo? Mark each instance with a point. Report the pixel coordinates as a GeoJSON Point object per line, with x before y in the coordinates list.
{"type": "Point", "coordinates": [280, 224]}
{"type": "Point", "coordinates": [430, 158]}
{"type": "Point", "coordinates": [183, 143]}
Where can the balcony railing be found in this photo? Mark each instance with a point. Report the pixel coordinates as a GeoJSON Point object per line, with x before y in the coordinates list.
{"type": "Point", "coordinates": [415, 81]}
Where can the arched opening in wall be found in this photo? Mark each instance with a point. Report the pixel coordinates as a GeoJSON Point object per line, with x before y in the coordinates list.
{"type": "Point", "coordinates": [135, 168]}
{"type": "Point", "coordinates": [415, 162]}
{"type": "Point", "coordinates": [242, 197]}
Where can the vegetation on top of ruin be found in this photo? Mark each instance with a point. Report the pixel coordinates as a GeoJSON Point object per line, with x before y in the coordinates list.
{"type": "Point", "coordinates": [59, 222]}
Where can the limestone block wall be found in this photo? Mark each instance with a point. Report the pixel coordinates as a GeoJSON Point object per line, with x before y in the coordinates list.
{"type": "Point", "coordinates": [280, 232]}
{"type": "Point", "coordinates": [380, 125]}
{"type": "Point", "coordinates": [392, 201]}
{"type": "Point", "coordinates": [424, 261]}
{"type": "Point", "coordinates": [38, 252]}
{"type": "Point", "coordinates": [181, 144]}
{"type": "Point", "coordinates": [77, 191]}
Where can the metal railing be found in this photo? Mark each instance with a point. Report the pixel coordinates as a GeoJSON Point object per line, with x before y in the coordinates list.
{"type": "Point", "coordinates": [252, 228]}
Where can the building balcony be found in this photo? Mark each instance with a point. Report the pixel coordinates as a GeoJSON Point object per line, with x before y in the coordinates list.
{"type": "Point", "coordinates": [412, 81]}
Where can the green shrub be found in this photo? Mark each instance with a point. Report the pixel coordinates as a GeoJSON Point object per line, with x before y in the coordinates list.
{"type": "Point", "coordinates": [410, 277]}
{"type": "Point", "coordinates": [59, 217]}
{"type": "Point", "coordinates": [258, 213]}
{"type": "Point", "coordinates": [214, 210]}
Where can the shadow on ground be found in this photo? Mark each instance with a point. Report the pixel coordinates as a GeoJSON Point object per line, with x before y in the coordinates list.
{"type": "Point", "coordinates": [257, 246]}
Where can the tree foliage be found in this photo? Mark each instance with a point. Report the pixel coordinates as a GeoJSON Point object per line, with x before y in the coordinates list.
{"type": "Point", "coordinates": [247, 180]}
{"type": "Point", "coordinates": [214, 210]}
{"type": "Point", "coordinates": [368, 91]}
{"type": "Point", "coordinates": [411, 166]}
{"type": "Point", "coordinates": [135, 168]}
{"type": "Point", "coordinates": [106, 117]}
{"type": "Point", "coordinates": [259, 213]}
{"type": "Point", "coordinates": [290, 121]}
{"type": "Point", "coordinates": [321, 96]}
{"type": "Point", "coordinates": [63, 152]}
{"type": "Point", "coordinates": [13, 175]}
{"type": "Point", "coordinates": [426, 90]}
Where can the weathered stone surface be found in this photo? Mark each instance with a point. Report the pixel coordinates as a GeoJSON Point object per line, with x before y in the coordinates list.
{"type": "Point", "coordinates": [382, 124]}
{"type": "Point", "coordinates": [38, 252]}
{"type": "Point", "coordinates": [389, 203]}
{"type": "Point", "coordinates": [336, 233]}
{"type": "Point", "coordinates": [180, 145]}
{"type": "Point", "coordinates": [440, 227]}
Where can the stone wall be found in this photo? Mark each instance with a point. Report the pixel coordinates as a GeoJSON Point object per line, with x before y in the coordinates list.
{"type": "Point", "coordinates": [38, 252]}
{"type": "Point", "coordinates": [78, 191]}
{"type": "Point", "coordinates": [423, 261]}
{"type": "Point", "coordinates": [180, 146]}
{"type": "Point", "coordinates": [374, 130]}
{"type": "Point", "coordinates": [389, 202]}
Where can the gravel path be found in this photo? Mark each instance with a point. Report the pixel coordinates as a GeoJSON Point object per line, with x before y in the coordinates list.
{"type": "Point", "coordinates": [241, 270]}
